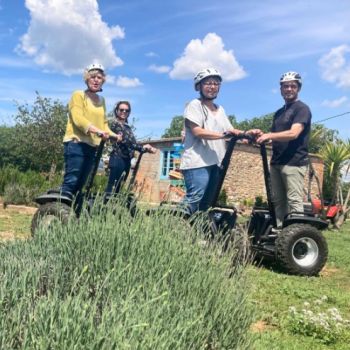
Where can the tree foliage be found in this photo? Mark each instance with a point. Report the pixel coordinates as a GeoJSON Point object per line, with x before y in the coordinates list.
{"type": "Point", "coordinates": [320, 136]}
{"type": "Point", "coordinates": [38, 134]}
{"type": "Point", "coordinates": [263, 123]}
{"type": "Point", "coordinates": [175, 128]}
{"type": "Point", "coordinates": [7, 146]}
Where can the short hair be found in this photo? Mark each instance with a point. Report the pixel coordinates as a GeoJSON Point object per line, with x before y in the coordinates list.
{"type": "Point", "coordinates": [88, 74]}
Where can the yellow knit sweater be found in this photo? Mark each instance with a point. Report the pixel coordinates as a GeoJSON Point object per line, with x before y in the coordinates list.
{"type": "Point", "coordinates": [82, 114]}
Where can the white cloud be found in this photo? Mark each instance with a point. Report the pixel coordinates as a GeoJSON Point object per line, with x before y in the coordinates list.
{"type": "Point", "coordinates": [67, 35]}
{"type": "Point", "coordinates": [159, 69]}
{"type": "Point", "coordinates": [335, 67]}
{"type": "Point", "coordinates": [335, 103]}
{"type": "Point", "coordinates": [124, 82]}
{"type": "Point", "coordinates": [207, 53]}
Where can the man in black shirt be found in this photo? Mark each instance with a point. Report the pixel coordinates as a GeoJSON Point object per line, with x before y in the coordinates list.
{"type": "Point", "coordinates": [290, 137]}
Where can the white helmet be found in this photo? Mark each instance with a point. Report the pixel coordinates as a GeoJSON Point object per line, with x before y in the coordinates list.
{"type": "Point", "coordinates": [291, 76]}
{"type": "Point", "coordinates": [94, 66]}
{"type": "Point", "coordinates": [205, 73]}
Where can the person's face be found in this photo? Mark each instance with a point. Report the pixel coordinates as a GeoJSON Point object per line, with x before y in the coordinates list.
{"type": "Point", "coordinates": [210, 87]}
{"type": "Point", "coordinates": [95, 82]}
{"type": "Point", "coordinates": [123, 112]}
{"type": "Point", "coordinates": [290, 90]}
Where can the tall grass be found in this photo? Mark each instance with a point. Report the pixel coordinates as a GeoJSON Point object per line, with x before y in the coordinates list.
{"type": "Point", "coordinates": [112, 282]}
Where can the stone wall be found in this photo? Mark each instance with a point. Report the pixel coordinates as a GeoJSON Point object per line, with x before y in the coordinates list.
{"type": "Point", "coordinates": [244, 179]}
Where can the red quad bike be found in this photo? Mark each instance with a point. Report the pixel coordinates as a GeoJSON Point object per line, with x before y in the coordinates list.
{"type": "Point", "coordinates": [57, 206]}
{"type": "Point", "coordinates": [298, 247]}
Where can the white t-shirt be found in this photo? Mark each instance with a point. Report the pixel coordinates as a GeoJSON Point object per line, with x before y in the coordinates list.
{"type": "Point", "coordinates": [198, 152]}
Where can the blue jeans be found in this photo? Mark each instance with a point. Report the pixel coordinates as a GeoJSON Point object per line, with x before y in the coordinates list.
{"type": "Point", "coordinates": [117, 166]}
{"type": "Point", "coordinates": [200, 184]}
{"type": "Point", "coordinates": [79, 159]}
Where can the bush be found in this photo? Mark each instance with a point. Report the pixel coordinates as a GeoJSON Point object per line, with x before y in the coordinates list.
{"type": "Point", "coordinates": [22, 187]}
{"type": "Point", "coordinates": [112, 282]}
{"type": "Point", "coordinates": [19, 194]}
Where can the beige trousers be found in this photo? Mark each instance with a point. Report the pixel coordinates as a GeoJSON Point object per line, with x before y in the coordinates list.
{"type": "Point", "coordinates": [287, 189]}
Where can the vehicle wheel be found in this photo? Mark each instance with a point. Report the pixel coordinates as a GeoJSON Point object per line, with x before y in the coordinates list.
{"type": "Point", "coordinates": [49, 213]}
{"type": "Point", "coordinates": [301, 250]}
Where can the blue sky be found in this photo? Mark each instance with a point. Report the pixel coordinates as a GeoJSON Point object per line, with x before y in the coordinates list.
{"type": "Point", "coordinates": [152, 49]}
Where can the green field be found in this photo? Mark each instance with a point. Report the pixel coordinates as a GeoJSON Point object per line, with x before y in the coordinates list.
{"type": "Point", "coordinates": [269, 292]}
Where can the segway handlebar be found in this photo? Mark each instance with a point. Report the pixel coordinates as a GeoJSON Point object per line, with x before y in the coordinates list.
{"type": "Point", "coordinates": [110, 137]}
{"type": "Point", "coordinates": [242, 136]}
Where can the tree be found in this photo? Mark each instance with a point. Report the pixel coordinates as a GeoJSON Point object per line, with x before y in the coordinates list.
{"type": "Point", "coordinates": [336, 156]}
{"type": "Point", "coordinates": [175, 128]}
{"type": "Point", "coordinates": [7, 147]}
{"type": "Point", "coordinates": [263, 123]}
{"type": "Point", "coordinates": [320, 136]}
{"type": "Point", "coordinates": [39, 134]}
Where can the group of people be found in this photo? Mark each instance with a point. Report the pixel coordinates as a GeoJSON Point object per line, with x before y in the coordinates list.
{"type": "Point", "coordinates": [206, 127]}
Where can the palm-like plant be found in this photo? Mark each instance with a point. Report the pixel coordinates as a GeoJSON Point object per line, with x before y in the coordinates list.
{"type": "Point", "coordinates": [336, 155]}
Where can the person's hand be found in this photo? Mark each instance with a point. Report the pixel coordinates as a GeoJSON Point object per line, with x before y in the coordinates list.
{"type": "Point", "coordinates": [117, 137]}
{"type": "Point", "coordinates": [235, 132]}
{"type": "Point", "coordinates": [264, 138]}
{"type": "Point", "coordinates": [254, 132]}
{"type": "Point", "coordinates": [105, 135]}
{"type": "Point", "coordinates": [100, 133]}
{"type": "Point", "coordinates": [149, 148]}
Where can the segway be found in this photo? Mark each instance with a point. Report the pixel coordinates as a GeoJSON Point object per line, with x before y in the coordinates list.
{"type": "Point", "coordinates": [127, 195]}
{"type": "Point", "coordinates": [55, 205]}
{"type": "Point", "coordinates": [298, 246]}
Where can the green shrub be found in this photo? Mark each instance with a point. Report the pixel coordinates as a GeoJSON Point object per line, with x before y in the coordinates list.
{"type": "Point", "coordinates": [19, 194]}
{"type": "Point", "coordinates": [222, 199]}
{"type": "Point", "coordinates": [112, 282]}
{"type": "Point", "coordinates": [22, 187]}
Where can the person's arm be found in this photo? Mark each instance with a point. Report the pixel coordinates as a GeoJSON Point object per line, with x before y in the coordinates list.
{"type": "Point", "coordinates": [283, 136]}
{"type": "Point", "coordinates": [207, 134]}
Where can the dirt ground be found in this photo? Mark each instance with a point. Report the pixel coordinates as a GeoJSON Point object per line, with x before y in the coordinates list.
{"type": "Point", "coordinates": [15, 221]}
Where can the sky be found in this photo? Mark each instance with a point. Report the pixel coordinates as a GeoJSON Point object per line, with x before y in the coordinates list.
{"type": "Point", "coordinates": [152, 49]}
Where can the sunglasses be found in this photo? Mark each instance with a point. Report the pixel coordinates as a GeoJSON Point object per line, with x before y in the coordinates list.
{"type": "Point", "coordinates": [124, 110]}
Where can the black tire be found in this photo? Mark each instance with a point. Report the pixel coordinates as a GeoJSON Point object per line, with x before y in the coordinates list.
{"type": "Point", "coordinates": [301, 249]}
{"type": "Point", "coordinates": [48, 213]}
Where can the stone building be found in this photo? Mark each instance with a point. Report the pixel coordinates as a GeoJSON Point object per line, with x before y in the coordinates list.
{"type": "Point", "coordinates": [244, 180]}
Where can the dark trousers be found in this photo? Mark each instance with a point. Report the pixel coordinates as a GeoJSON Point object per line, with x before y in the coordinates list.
{"type": "Point", "coordinates": [119, 169]}
{"type": "Point", "coordinates": [78, 161]}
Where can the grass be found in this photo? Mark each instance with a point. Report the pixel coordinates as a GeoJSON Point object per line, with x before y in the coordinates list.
{"type": "Point", "coordinates": [273, 293]}
{"type": "Point", "coordinates": [109, 282]}
{"type": "Point", "coordinates": [15, 221]}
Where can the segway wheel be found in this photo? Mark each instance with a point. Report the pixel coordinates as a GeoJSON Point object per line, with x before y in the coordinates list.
{"type": "Point", "coordinates": [49, 213]}
{"type": "Point", "coordinates": [301, 250]}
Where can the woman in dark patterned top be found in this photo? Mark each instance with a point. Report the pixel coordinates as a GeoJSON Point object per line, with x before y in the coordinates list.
{"type": "Point", "coordinates": [123, 151]}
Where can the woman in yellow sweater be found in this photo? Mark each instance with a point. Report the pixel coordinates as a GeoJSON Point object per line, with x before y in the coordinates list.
{"type": "Point", "coordinates": [86, 119]}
